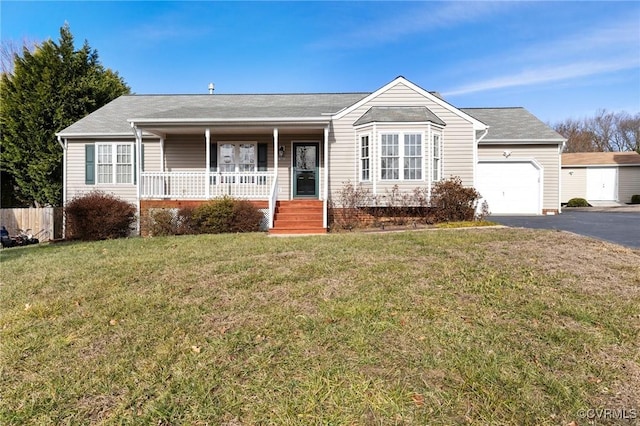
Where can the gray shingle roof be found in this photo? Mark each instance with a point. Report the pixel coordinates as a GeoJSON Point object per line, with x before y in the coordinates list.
{"type": "Point", "coordinates": [112, 118]}
{"type": "Point", "coordinates": [383, 114]}
{"type": "Point", "coordinates": [512, 124]}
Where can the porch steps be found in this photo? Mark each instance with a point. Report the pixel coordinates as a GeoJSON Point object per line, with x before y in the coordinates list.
{"type": "Point", "coordinates": [298, 217]}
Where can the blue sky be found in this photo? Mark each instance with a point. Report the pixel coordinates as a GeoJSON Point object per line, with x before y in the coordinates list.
{"type": "Point", "coordinates": [557, 59]}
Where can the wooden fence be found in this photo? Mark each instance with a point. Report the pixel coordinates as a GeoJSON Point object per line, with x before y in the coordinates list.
{"type": "Point", "coordinates": [44, 223]}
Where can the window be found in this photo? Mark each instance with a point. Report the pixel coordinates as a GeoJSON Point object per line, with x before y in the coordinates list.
{"type": "Point", "coordinates": [114, 163]}
{"type": "Point", "coordinates": [437, 174]}
{"type": "Point", "coordinates": [413, 156]}
{"type": "Point", "coordinates": [389, 157]}
{"type": "Point", "coordinates": [392, 152]}
{"type": "Point", "coordinates": [364, 158]}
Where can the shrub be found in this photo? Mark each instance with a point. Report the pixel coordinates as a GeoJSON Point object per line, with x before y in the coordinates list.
{"type": "Point", "coordinates": [345, 211]}
{"type": "Point", "coordinates": [226, 215]}
{"type": "Point", "coordinates": [98, 216]}
{"type": "Point", "coordinates": [245, 217]}
{"type": "Point", "coordinates": [577, 202]}
{"type": "Point", "coordinates": [635, 199]}
{"type": "Point", "coordinates": [163, 222]}
{"type": "Point", "coordinates": [452, 201]}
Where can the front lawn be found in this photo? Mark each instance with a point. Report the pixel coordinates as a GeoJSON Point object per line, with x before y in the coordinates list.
{"type": "Point", "coordinates": [478, 326]}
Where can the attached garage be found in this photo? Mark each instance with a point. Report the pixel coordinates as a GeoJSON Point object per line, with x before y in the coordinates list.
{"type": "Point", "coordinates": [511, 186]}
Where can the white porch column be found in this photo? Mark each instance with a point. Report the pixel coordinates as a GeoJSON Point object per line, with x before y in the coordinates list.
{"type": "Point", "coordinates": [162, 154]}
{"type": "Point", "coordinates": [207, 185]}
{"type": "Point", "coordinates": [325, 176]}
{"type": "Point", "coordinates": [276, 155]}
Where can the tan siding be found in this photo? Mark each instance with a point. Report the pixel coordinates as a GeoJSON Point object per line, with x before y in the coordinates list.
{"type": "Point", "coordinates": [574, 183]}
{"type": "Point", "coordinates": [628, 183]}
{"type": "Point", "coordinates": [151, 156]}
{"type": "Point", "coordinates": [184, 153]}
{"type": "Point", "coordinates": [75, 177]}
{"type": "Point", "coordinates": [457, 139]}
{"type": "Point", "coordinates": [546, 155]}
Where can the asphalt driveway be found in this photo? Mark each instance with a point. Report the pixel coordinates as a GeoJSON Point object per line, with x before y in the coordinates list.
{"type": "Point", "coordinates": [617, 227]}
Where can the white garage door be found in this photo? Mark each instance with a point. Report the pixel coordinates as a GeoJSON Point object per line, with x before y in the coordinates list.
{"type": "Point", "coordinates": [601, 183]}
{"type": "Point", "coordinates": [510, 187]}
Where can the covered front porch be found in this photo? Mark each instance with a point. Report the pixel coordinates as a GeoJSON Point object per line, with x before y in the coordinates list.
{"type": "Point", "coordinates": [258, 164]}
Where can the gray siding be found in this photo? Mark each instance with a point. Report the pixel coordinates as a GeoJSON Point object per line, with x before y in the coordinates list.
{"type": "Point", "coordinates": [546, 155]}
{"type": "Point", "coordinates": [457, 139]}
{"type": "Point", "coordinates": [628, 183]}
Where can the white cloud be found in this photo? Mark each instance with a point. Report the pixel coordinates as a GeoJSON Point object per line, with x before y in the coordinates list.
{"type": "Point", "coordinates": [605, 49]}
{"type": "Point", "coordinates": [420, 17]}
{"type": "Point", "coordinates": [547, 75]}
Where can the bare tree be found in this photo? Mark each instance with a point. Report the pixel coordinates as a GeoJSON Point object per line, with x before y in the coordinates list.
{"type": "Point", "coordinates": [605, 131]}
{"type": "Point", "coordinates": [9, 49]}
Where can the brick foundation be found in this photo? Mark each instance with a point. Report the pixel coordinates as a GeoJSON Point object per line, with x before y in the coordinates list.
{"type": "Point", "coordinates": [549, 211]}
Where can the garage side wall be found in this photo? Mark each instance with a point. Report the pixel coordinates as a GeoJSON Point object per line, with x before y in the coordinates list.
{"type": "Point", "coordinates": [546, 155]}
{"type": "Point", "coordinates": [574, 183]}
{"type": "Point", "coordinates": [628, 183]}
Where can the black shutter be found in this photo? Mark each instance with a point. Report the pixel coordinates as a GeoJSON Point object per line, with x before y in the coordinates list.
{"type": "Point", "coordinates": [262, 157]}
{"type": "Point", "coordinates": [213, 157]}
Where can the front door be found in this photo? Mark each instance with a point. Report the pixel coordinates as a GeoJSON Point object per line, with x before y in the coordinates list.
{"type": "Point", "coordinates": [305, 169]}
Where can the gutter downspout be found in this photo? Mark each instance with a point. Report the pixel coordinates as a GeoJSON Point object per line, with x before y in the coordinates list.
{"type": "Point", "coordinates": [138, 135]}
{"type": "Point", "coordinates": [475, 154]}
{"type": "Point", "coordinates": [64, 180]}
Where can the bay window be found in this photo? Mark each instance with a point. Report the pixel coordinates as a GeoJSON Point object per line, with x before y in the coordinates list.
{"type": "Point", "coordinates": [409, 153]}
{"type": "Point", "coordinates": [365, 165]}
{"type": "Point", "coordinates": [437, 149]}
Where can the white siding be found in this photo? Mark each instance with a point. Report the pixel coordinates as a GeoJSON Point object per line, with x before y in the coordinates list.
{"type": "Point", "coordinates": [546, 155]}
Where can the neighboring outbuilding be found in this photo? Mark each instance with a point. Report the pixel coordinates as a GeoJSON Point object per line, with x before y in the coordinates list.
{"type": "Point", "coordinates": [289, 153]}
{"type": "Point", "coordinates": [601, 177]}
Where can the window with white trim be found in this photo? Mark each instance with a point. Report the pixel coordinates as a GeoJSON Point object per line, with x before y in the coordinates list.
{"type": "Point", "coordinates": [409, 153]}
{"type": "Point", "coordinates": [365, 167]}
{"type": "Point", "coordinates": [413, 156]}
{"type": "Point", "coordinates": [389, 157]}
{"type": "Point", "coordinates": [437, 151]}
{"type": "Point", "coordinates": [114, 163]}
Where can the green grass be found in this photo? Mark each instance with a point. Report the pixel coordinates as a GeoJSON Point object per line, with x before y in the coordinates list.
{"type": "Point", "coordinates": [487, 326]}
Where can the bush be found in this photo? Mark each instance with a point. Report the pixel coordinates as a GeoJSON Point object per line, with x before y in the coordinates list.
{"type": "Point", "coordinates": [98, 216]}
{"type": "Point", "coordinates": [577, 202]}
{"type": "Point", "coordinates": [226, 215]}
{"type": "Point", "coordinates": [635, 199]}
{"type": "Point", "coordinates": [452, 201]}
{"type": "Point", "coordinates": [345, 211]}
{"type": "Point", "coordinates": [245, 217]}
{"type": "Point", "coordinates": [163, 222]}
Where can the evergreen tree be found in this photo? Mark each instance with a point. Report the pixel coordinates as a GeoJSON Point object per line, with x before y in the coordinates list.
{"type": "Point", "coordinates": [47, 91]}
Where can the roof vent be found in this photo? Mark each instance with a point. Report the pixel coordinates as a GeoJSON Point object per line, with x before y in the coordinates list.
{"type": "Point", "coordinates": [211, 88]}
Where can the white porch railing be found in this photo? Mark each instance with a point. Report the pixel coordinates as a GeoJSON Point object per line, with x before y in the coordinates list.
{"type": "Point", "coordinates": [193, 185]}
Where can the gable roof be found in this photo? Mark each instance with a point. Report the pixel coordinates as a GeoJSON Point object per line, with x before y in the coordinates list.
{"type": "Point", "coordinates": [434, 97]}
{"type": "Point", "coordinates": [513, 125]}
{"type": "Point", "coordinates": [115, 117]}
{"type": "Point", "coordinates": [601, 159]}
{"type": "Point", "coordinates": [382, 114]}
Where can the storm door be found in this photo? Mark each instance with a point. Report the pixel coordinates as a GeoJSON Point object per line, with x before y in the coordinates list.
{"type": "Point", "coordinates": [305, 169]}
